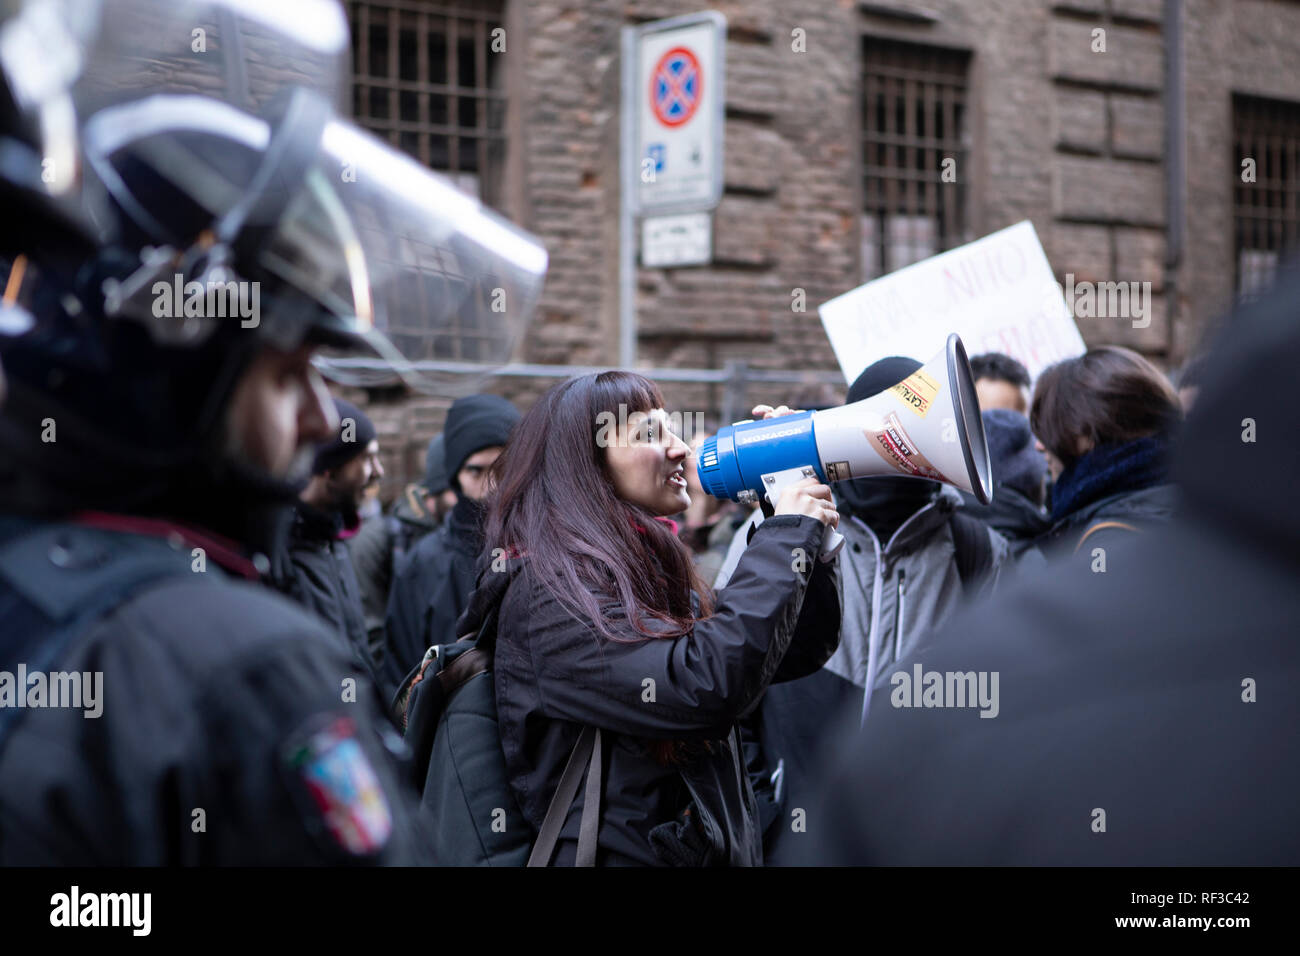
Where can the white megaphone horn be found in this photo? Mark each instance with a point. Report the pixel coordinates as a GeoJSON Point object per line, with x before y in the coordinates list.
{"type": "Point", "coordinates": [926, 426]}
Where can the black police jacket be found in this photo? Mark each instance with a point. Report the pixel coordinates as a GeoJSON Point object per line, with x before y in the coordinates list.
{"type": "Point", "coordinates": [232, 729]}
{"type": "Point", "coordinates": [777, 619]}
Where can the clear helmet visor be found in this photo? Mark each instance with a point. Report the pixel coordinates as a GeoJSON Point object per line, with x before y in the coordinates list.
{"type": "Point", "coordinates": [356, 244]}
{"type": "Point", "coordinates": [64, 60]}
{"type": "Point", "coordinates": [440, 284]}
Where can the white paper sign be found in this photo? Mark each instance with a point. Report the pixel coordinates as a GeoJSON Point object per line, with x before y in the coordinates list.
{"type": "Point", "coordinates": [998, 293]}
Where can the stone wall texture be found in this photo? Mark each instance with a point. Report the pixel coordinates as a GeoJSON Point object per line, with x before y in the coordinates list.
{"type": "Point", "coordinates": [1061, 133]}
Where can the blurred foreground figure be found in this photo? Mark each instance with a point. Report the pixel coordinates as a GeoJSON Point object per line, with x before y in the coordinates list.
{"type": "Point", "coordinates": [1146, 715]}
{"type": "Point", "coordinates": [157, 706]}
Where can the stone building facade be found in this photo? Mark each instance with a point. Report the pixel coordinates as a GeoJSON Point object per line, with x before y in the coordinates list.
{"type": "Point", "coordinates": [1118, 127]}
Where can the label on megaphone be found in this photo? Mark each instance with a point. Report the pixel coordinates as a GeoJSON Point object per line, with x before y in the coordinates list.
{"type": "Point", "coordinates": [899, 451]}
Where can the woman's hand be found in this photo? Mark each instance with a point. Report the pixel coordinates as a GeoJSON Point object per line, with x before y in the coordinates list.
{"type": "Point", "coordinates": [767, 411]}
{"type": "Point", "coordinates": [810, 497]}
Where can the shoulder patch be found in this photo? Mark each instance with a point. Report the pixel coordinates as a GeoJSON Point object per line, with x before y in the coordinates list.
{"type": "Point", "coordinates": [336, 787]}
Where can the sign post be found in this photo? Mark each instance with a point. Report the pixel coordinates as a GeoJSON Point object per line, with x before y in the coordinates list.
{"type": "Point", "coordinates": [673, 104]}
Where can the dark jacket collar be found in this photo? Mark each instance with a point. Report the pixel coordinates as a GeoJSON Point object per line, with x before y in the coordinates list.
{"type": "Point", "coordinates": [314, 526]}
{"type": "Point", "coordinates": [1109, 470]}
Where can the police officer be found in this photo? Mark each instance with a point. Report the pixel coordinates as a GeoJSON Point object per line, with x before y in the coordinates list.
{"type": "Point", "coordinates": [158, 706]}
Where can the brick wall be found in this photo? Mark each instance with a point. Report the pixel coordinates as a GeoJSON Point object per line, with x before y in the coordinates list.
{"type": "Point", "coordinates": [1068, 137]}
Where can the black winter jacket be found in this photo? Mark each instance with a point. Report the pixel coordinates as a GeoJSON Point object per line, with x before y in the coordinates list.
{"type": "Point", "coordinates": [431, 590]}
{"type": "Point", "coordinates": [554, 675]}
{"type": "Point", "coordinates": [233, 730]}
{"type": "Point", "coordinates": [317, 572]}
{"type": "Point", "coordinates": [1138, 509]}
{"type": "Point", "coordinates": [1012, 515]}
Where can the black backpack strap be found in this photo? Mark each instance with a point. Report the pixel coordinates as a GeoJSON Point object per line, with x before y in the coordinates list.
{"type": "Point", "coordinates": [586, 754]}
{"type": "Point", "coordinates": [974, 550]}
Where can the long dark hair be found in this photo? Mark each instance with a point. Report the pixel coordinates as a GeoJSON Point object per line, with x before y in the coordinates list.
{"type": "Point", "coordinates": [554, 501]}
{"type": "Point", "coordinates": [1108, 395]}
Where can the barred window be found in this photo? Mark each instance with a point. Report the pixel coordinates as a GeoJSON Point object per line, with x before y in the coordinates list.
{"type": "Point", "coordinates": [427, 79]}
{"type": "Point", "coordinates": [1266, 201]}
{"type": "Point", "coordinates": [913, 120]}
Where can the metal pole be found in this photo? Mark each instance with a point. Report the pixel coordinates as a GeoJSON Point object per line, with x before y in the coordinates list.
{"type": "Point", "coordinates": [626, 206]}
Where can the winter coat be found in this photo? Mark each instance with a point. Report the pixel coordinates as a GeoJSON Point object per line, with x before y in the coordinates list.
{"type": "Point", "coordinates": [1012, 515]}
{"type": "Point", "coordinates": [316, 571]}
{"type": "Point", "coordinates": [777, 619]}
{"type": "Point", "coordinates": [893, 594]}
{"type": "Point", "coordinates": [431, 590]}
{"type": "Point", "coordinates": [216, 694]}
{"type": "Point", "coordinates": [1114, 490]}
{"type": "Point", "coordinates": [379, 548]}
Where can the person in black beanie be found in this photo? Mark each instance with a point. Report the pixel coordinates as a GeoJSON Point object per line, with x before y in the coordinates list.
{"type": "Point", "coordinates": [316, 567]}
{"type": "Point", "coordinates": [909, 561]}
{"type": "Point", "coordinates": [432, 587]}
{"type": "Point", "coordinates": [1019, 472]}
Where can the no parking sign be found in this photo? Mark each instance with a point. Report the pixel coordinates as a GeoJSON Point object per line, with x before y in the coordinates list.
{"type": "Point", "coordinates": [677, 99]}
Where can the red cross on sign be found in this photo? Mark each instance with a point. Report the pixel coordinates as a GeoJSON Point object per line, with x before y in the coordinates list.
{"type": "Point", "coordinates": [675, 87]}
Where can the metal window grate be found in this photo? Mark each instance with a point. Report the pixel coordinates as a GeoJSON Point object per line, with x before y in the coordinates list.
{"type": "Point", "coordinates": [1266, 212]}
{"type": "Point", "coordinates": [426, 79]}
{"type": "Point", "coordinates": [913, 118]}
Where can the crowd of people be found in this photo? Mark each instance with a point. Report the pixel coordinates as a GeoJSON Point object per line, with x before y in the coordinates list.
{"type": "Point", "coordinates": [555, 647]}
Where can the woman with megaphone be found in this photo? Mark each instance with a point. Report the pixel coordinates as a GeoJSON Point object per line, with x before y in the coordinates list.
{"type": "Point", "coordinates": [604, 625]}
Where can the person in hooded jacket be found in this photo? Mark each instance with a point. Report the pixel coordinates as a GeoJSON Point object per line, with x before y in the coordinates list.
{"type": "Point", "coordinates": [1104, 420]}
{"type": "Point", "coordinates": [909, 561]}
{"type": "Point", "coordinates": [315, 567]}
{"type": "Point", "coordinates": [604, 623]}
{"type": "Point", "coordinates": [432, 586]}
{"type": "Point", "coordinates": [1149, 715]}
{"type": "Point", "coordinates": [1019, 472]}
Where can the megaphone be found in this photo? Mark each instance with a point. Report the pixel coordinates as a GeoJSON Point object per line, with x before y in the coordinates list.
{"type": "Point", "coordinates": [926, 426]}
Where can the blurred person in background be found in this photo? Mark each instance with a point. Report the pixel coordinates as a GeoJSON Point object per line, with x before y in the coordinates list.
{"type": "Point", "coordinates": [431, 588]}
{"type": "Point", "coordinates": [384, 541]}
{"type": "Point", "coordinates": [1019, 484]}
{"type": "Point", "coordinates": [1000, 382]}
{"type": "Point", "coordinates": [315, 567]}
{"type": "Point", "coordinates": [1104, 421]}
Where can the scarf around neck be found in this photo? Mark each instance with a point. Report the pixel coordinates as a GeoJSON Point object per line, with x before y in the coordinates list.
{"type": "Point", "coordinates": [1110, 470]}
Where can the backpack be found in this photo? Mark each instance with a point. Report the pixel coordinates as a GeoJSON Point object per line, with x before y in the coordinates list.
{"type": "Point", "coordinates": [973, 550]}
{"type": "Point", "coordinates": [447, 710]}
